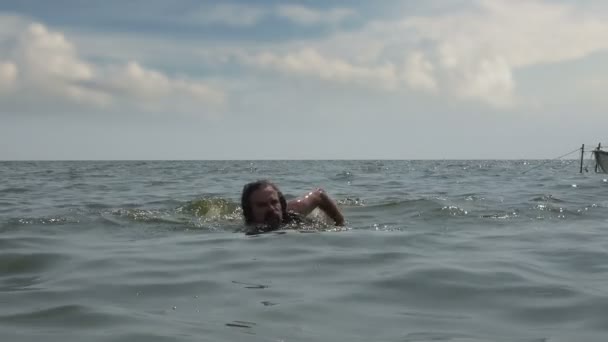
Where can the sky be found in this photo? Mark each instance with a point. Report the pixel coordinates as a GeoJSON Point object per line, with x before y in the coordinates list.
{"type": "Point", "coordinates": [327, 79]}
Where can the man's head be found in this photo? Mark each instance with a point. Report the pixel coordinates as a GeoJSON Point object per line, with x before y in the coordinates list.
{"type": "Point", "coordinates": [263, 203]}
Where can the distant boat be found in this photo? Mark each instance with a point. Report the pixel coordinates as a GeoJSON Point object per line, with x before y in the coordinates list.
{"type": "Point", "coordinates": [601, 160]}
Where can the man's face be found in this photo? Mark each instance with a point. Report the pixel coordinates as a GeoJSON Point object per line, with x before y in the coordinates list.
{"type": "Point", "coordinates": [266, 207]}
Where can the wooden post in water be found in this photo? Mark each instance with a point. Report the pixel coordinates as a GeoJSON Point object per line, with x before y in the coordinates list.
{"type": "Point", "coordinates": [598, 148]}
{"type": "Point", "coordinates": [582, 155]}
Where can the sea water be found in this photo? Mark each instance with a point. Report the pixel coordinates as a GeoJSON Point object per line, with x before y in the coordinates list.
{"type": "Point", "coordinates": [432, 251]}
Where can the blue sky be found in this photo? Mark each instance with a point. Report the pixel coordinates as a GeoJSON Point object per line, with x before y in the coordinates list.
{"type": "Point", "coordinates": [444, 79]}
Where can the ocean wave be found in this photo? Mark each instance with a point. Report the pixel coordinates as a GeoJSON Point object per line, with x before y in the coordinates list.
{"type": "Point", "coordinates": [14, 190]}
{"type": "Point", "coordinates": [23, 263]}
{"type": "Point", "coordinates": [52, 220]}
{"type": "Point", "coordinates": [147, 215]}
{"type": "Point", "coordinates": [69, 315]}
{"type": "Point", "coordinates": [210, 208]}
{"type": "Point", "coordinates": [211, 214]}
{"type": "Point", "coordinates": [24, 271]}
{"type": "Point", "coordinates": [344, 176]}
{"type": "Point", "coordinates": [546, 198]}
{"type": "Point", "coordinates": [351, 202]}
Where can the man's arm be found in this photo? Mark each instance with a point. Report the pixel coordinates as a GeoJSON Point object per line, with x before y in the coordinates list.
{"type": "Point", "coordinates": [316, 199]}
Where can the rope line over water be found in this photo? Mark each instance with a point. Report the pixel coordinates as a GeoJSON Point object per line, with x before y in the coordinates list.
{"type": "Point", "coordinates": [548, 161]}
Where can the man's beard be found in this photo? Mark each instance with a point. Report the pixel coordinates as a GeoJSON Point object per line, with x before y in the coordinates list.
{"type": "Point", "coordinates": [272, 220]}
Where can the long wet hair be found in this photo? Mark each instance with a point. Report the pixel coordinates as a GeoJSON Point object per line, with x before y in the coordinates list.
{"type": "Point", "coordinates": [249, 189]}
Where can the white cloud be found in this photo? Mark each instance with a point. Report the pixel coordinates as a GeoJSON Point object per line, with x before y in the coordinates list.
{"type": "Point", "coordinates": [309, 62]}
{"type": "Point", "coordinates": [472, 54]}
{"type": "Point", "coordinates": [48, 65]}
{"type": "Point", "coordinates": [239, 15]}
{"type": "Point", "coordinates": [8, 76]}
{"type": "Point", "coordinates": [490, 81]}
{"type": "Point", "coordinates": [134, 82]}
{"type": "Point", "coordinates": [229, 14]}
{"type": "Point", "coordinates": [418, 72]}
{"type": "Point", "coordinates": [478, 50]}
{"type": "Point", "coordinates": [307, 16]}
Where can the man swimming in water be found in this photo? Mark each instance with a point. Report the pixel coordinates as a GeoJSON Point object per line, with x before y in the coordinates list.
{"type": "Point", "coordinates": [266, 209]}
